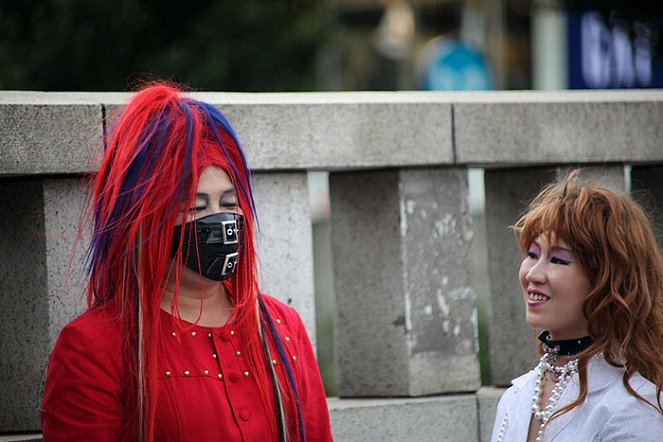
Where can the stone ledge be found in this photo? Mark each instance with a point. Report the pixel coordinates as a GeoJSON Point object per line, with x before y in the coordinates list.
{"type": "Point", "coordinates": [558, 132]}
{"type": "Point", "coordinates": [44, 134]}
{"type": "Point", "coordinates": [448, 418]}
{"type": "Point", "coordinates": [452, 418]}
{"type": "Point", "coordinates": [488, 398]}
{"type": "Point", "coordinates": [21, 438]}
{"type": "Point", "coordinates": [278, 131]}
{"type": "Point", "coordinates": [60, 132]}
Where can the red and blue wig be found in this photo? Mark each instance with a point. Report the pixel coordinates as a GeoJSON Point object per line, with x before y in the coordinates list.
{"type": "Point", "coordinates": [153, 160]}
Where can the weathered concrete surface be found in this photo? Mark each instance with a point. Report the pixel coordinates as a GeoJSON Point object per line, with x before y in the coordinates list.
{"type": "Point", "coordinates": [440, 419]}
{"type": "Point", "coordinates": [647, 189]}
{"type": "Point", "coordinates": [487, 399]}
{"type": "Point", "coordinates": [512, 345]}
{"type": "Point", "coordinates": [61, 132]}
{"type": "Point", "coordinates": [40, 292]}
{"type": "Point", "coordinates": [278, 131]}
{"type": "Point", "coordinates": [24, 317]}
{"type": "Point", "coordinates": [559, 127]}
{"type": "Point", "coordinates": [45, 134]}
{"type": "Point", "coordinates": [22, 438]}
{"type": "Point", "coordinates": [508, 191]}
{"type": "Point", "coordinates": [339, 136]}
{"type": "Point", "coordinates": [406, 312]}
{"type": "Point", "coordinates": [285, 248]}
{"type": "Point", "coordinates": [65, 253]}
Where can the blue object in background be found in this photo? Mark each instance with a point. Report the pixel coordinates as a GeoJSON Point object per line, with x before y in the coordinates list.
{"type": "Point", "coordinates": [454, 66]}
{"type": "Point", "coordinates": [613, 51]}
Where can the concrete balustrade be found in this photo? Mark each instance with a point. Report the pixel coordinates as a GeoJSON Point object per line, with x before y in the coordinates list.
{"type": "Point", "coordinates": [39, 293]}
{"type": "Point", "coordinates": [48, 134]}
{"type": "Point", "coordinates": [285, 241]}
{"type": "Point", "coordinates": [562, 127]}
{"type": "Point", "coordinates": [646, 188]}
{"type": "Point", "coordinates": [405, 321]}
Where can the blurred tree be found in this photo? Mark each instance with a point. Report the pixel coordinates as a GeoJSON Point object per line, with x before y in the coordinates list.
{"type": "Point", "coordinates": [248, 45]}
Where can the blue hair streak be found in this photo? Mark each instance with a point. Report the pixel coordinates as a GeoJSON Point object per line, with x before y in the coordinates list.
{"type": "Point", "coordinates": [288, 368]}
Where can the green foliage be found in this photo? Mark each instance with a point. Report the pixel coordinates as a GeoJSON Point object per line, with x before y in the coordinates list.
{"type": "Point", "coordinates": [247, 45]}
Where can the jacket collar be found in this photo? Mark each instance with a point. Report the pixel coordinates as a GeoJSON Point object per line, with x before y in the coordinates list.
{"type": "Point", "coordinates": [600, 375]}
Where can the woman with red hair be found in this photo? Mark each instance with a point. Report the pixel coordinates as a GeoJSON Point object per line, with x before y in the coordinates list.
{"type": "Point", "coordinates": [178, 342]}
{"type": "Point", "coordinates": [592, 280]}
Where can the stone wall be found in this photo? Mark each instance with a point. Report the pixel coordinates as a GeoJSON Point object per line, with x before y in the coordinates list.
{"type": "Point", "coordinates": [406, 311]}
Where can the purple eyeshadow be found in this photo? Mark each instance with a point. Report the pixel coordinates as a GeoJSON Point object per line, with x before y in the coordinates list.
{"type": "Point", "coordinates": [564, 254]}
{"type": "Point", "coordinates": [534, 248]}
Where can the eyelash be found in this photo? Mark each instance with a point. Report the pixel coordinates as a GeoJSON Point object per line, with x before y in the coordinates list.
{"type": "Point", "coordinates": [553, 260]}
{"type": "Point", "coordinates": [228, 205]}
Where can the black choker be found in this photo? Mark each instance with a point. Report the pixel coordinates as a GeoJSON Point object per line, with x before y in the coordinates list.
{"type": "Point", "coordinates": [565, 347]}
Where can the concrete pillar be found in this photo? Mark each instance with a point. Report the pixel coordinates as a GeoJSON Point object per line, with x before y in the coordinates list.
{"type": "Point", "coordinates": [609, 175]}
{"type": "Point", "coordinates": [42, 284]}
{"type": "Point", "coordinates": [285, 247]}
{"type": "Point", "coordinates": [647, 189]}
{"type": "Point", "coordinates": [63, 207]}
{"type": "Point", "coordinates": [405, 323]}
{"type": "Point", "coordinates": [508, 191]}
{"type": "Point", "coordinates": [512, 348]}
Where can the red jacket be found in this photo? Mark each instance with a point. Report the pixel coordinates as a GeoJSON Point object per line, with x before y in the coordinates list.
{"type": "Point", "coordinates": [205, 390]}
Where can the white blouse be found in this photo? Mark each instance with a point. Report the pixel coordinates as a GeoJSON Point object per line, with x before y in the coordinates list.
{"type": "Point", "coordinates": [609, 413]}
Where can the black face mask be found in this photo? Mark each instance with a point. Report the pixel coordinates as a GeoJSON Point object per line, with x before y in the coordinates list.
{"type": "Point", "coordinates": [218, 245]}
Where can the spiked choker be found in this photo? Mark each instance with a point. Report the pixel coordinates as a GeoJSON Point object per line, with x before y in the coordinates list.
{"type": "Point", "coordinates": [565, 347]}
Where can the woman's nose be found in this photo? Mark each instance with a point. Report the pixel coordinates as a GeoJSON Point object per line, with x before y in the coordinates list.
{"type": "Point", "coordinates": [537, 273]}
{"type": "Point", "coordinates": [215, 207]}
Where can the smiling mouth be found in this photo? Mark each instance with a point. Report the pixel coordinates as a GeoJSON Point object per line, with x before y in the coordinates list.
{"type": "Point", "coordinates": [537, 297]}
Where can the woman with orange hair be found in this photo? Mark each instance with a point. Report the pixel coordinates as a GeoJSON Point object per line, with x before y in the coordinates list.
{"type": "Point", "coordinates": [592, 280]}
{"type": "Point", "coordinates": [179, 343]}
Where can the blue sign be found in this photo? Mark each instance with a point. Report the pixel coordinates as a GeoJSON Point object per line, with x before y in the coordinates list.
{"type": "Point", "coordinates": [613, 52]}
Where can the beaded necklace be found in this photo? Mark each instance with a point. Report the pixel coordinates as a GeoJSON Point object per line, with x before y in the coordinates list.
{"type": "Point", "coordinates": [561, 374]}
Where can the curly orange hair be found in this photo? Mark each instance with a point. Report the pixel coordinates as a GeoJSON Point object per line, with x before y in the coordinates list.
{"type": "Point", "coordinates": [613, 242]}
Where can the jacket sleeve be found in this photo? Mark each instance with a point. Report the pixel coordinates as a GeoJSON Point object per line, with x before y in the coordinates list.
{"type": "Point", "coordinates": [311, 391]}
{"type": "Point", "coordinates": [82, 395]}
